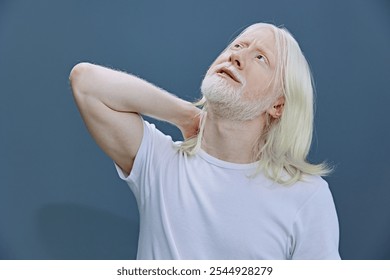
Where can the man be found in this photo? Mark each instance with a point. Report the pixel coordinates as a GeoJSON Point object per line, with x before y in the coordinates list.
{"type": "Point", "coordinates": [239, 186]}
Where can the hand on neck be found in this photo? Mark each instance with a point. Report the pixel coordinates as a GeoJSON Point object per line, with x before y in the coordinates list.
{"type": "Point", "coordinates": [229, 140]}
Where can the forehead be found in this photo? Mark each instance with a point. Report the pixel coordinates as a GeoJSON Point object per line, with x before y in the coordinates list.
{"type": "Point", "coordinates": [261, 34]}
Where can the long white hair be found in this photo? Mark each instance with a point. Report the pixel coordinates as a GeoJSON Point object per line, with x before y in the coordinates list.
{"type": "Point", "coordinates": [283, 148]}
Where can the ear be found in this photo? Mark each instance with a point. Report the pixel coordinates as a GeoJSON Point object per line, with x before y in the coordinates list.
{"type": "Point", "coordinates": [277, 108]}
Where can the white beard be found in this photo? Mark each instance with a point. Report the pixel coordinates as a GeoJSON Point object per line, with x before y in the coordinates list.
{"type": "Point", "coordinates": [227, 100]}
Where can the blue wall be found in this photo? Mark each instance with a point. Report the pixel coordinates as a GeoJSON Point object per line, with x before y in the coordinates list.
{"type": "Point", "coordinates": [60, 197]}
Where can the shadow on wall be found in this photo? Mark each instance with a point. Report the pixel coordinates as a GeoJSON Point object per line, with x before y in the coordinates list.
{"type": "Point", "coordinates": [4, 254]}
{"type": "Point", "coordinates": [71, 231]}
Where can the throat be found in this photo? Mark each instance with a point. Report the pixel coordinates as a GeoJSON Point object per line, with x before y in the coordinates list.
{"type": "Point", "coordinates": [232, 141]}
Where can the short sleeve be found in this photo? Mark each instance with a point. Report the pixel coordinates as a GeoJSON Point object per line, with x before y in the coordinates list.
{"type": "Point", "coordinates": [155, 147]}
{"type": "Point", "coordinates": [316, 228]}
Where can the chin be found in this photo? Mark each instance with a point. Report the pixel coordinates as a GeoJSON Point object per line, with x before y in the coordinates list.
{"type": "Point", "coordinates": [226, 101]}
{"type": "Point", "coordinates": [217, 89]}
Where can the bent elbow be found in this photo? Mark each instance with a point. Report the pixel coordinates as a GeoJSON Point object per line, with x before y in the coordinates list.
{"type": "Point", "coordinates": [77, 76]}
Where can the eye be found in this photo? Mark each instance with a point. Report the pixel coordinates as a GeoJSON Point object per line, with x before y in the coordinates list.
{"type": "Point", "coordinates": [237, 46]}
{"type": "Point", "coordinates": [260, 57]}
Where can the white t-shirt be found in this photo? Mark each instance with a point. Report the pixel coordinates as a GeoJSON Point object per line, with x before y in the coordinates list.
{"type": "Point", "coordinates": [200, 207]}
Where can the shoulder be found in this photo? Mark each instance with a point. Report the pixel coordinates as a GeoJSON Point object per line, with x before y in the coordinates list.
{"type": "Point", "coordinates": [155, 138]}
{"type": "Point", "coordinates": [311, 185]}
{"type": "Point", "coordinates": [309, 192]}
{"type": "Point", "coordinates": [155, 150]}
{"type": "Point", "coordinates": [308, 184]}
{"type": "Point", "coordinates": [156, 147]}
{"type": "Point", "coordinates": [314, 181]}
{"type": "Point", "coordinates": [318, 186]}
{"type": "Point", "coordinates": [316, 194]}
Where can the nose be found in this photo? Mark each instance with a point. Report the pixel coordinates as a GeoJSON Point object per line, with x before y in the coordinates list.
{"type": "Point", "coordinates": [237, 59]}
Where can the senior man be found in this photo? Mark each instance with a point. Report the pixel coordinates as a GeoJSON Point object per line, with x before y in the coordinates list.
{"type": "Point", "coordinates": [239, 186]}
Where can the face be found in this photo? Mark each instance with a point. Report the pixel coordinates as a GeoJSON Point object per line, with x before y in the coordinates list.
{"type": "Point", "coordinates": [240, 79]}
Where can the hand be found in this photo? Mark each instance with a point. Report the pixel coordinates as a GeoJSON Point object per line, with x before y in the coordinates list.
{"type": "Point", "coordinates": [190, 126]}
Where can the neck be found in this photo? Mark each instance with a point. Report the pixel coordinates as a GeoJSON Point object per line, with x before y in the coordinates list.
{"type": "Point", "coordinates": [231, 141]}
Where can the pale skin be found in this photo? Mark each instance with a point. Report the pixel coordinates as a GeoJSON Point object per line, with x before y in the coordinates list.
{"type": "Point", "coordinates": [110, 103]}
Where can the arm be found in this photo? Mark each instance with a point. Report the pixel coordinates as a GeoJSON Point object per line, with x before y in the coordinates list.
{"type": "Point", "coordinates": [110, 103]}
{"type": "Point", "coordinates": [316, 228]}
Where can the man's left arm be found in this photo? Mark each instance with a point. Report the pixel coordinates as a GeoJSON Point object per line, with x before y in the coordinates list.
{"type": "Point", "coordinates": [316, 228]}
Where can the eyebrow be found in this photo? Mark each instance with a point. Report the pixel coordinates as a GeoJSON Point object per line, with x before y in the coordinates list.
{"type": "Point", "coordinates": [264, 51]}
